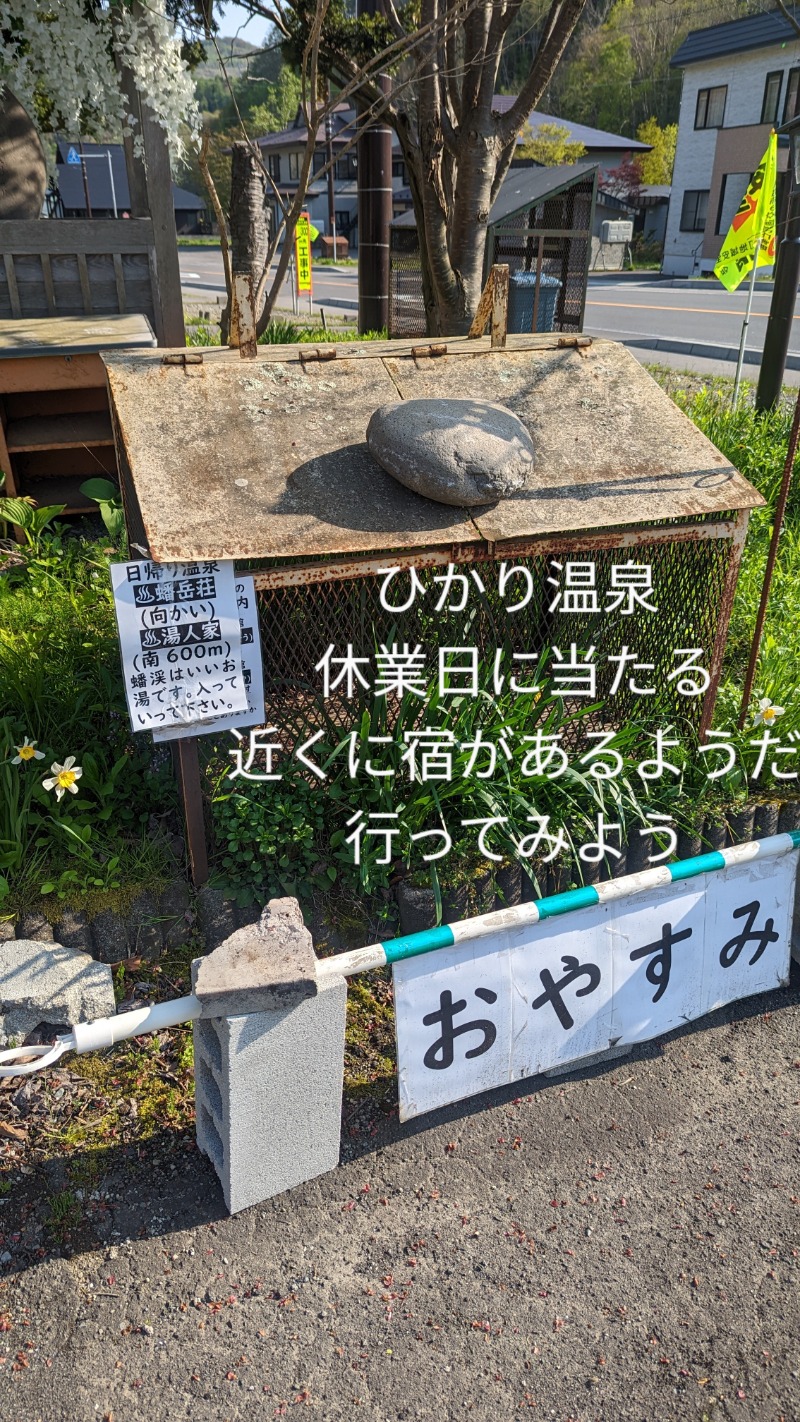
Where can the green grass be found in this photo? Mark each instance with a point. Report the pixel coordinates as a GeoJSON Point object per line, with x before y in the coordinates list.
{"type": "Point", "coordinates": [756, 445]}
{"type": "Point", "coordinates": [61, 686]}
{"type": "Point", "coordinates": [283, 332]}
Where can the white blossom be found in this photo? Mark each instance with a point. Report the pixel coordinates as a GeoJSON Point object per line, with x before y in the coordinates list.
{"type": "Point", "coordinates": [54, 51]}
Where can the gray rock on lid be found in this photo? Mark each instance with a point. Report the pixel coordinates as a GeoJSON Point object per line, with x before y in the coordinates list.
{"type": "Point", "coordinates": [454, 451]}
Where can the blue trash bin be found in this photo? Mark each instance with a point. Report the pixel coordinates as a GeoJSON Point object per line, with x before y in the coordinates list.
{"type": "Point", "coordinates": [521, 297]}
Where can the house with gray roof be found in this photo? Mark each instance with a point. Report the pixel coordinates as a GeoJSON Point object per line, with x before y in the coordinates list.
{"type": "Point", "coordinates": [740, 80]}
{"type": "Point", "coordinates": [107, 185]}
{"type": "Point", "coordinates": [283, 154]}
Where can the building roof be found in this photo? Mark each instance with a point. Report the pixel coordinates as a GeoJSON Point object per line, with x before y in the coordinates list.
{"type": "Point", "coordinates": [523, 188]}
{"type": "Point", "coordinates": [591, 138]}
{"type": "Point", "coordinates": [70, 180]}
{"type": "Point", "coordinates": [343, 130]}
{"type": "Point", "coordinates": [735, 37]}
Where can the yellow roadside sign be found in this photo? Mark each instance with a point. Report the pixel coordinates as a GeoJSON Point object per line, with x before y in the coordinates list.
{"type": "Point", "coordinates": [302, 251]}
{"type": "Point", "coordinates": [751, 238]}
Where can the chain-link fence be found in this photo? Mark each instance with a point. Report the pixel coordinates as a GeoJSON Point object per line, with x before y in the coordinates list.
{"type": "Point", "coordinates": [550, 238]}
{"type": "Point", "coordinates": [634, 647]}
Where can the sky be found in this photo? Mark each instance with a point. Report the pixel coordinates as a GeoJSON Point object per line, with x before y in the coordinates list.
{"type": "Point", "coordinates": [232, 16]}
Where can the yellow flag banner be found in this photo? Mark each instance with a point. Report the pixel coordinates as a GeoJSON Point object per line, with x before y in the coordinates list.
{"type": "Point", "coordinates": [302, 246]}
{"type": "Point", "coordinates": [752, 233]}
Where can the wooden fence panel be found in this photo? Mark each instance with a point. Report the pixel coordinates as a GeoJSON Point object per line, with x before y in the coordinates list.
{"type": "Point", "coordinates": [78, 268]}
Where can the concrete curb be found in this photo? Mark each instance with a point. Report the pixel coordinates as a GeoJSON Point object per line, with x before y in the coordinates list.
{"type": "Point", "coordinates": [706, 284]}
{"type": "Point", "coordinates": [703, 349]}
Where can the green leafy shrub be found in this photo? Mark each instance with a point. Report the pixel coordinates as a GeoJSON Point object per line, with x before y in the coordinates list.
{"type": "Point", "coordinates": [61, 686]}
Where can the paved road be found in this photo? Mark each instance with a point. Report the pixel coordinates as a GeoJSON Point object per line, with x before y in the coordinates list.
{"type": "Point", "coordinates": [637, 312]}
{"type": "Point", "coordinates": [202, 275]}
{"type": "Point", "coordinates": [626, 310]}
{"type": "Point", "coordinates": [620, 1246]}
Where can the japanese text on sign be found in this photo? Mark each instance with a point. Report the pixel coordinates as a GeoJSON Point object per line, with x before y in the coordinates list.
{"type": "Point", "coordinates": [252, 671]}
{"type": "Point", "coordinates": [534, 997]}
{"type": "Point", "coordinates": [302, 250]}
{"type": "Point", "coordinates": [180, 641]}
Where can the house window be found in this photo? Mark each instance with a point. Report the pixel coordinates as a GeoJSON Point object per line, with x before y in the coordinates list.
{"type": "Point", "coordinates": [772, 96]}
{"type": "Point", "coordinates": [734, 186]}
{"type": "Point", "coordinates": [694, 210]}
{"type": "Point", "coordinates": [343, 220]}
{"type": "Point", "coordinates": [294, 167]}
{"type": "Point", "coordinates": [318, 161]}
{"type": "Point", "coordinates": [274, 166]}
{"type": "Point", "coordinates": [346, 167]}
{"type": "Point", "coordinates": [791, 104]}
{"type": "Point", "coordinates": [399, 169]}
{"type": "Point", "coordinates": [710, 109]}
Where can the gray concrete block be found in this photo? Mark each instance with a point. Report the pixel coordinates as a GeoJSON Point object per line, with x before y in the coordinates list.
{"type": "Point", "coordinates": [266, 966]}
{"type": "Point", "coordinates": [766, 820]}
{"type": "Point", "coordinates": [715, 836]}
{"type": "Point", "coordinates": [269, 1094]}
{"type": "Point", "coordinates": [110, 937]}
{"type": "Point", "coordinates": [794, 943]}
{"type": "Point", "coordinates": [144, 927]}
{"type": "Point", "coordinates": [216, 916]}
{"type": "Point", "coordinates": [73, 931]}
{"type": "Point", "coordinates": [740, 825]}
{"type": "Point", "coordinates": [45, 982]}
{"type": "Point", "coordinates": [175, 913]}
{"type": "Point", "coordinates": [246, 916]}
{"type": "Point", "coordinates": [35, 926]}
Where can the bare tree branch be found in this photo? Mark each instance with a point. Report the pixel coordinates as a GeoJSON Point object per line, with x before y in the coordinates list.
{"type": "Point", "coordinates": [562, 18]}
{"type": "Point", "coordinates": [211, 188]}
{"type": "Point", "coordinates": [787, 14]}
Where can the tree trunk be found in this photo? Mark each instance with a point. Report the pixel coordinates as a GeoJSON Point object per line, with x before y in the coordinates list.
{"type": "Point", "coordinates": [248, 219]}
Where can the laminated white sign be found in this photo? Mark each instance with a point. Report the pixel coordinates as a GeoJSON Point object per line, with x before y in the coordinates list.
{"type": "Point", "coordinates": [180, 640]}
{"type": "Point", "coordinates": [253, 673]}
{"type": "Point", "coordinates": [526, 999]}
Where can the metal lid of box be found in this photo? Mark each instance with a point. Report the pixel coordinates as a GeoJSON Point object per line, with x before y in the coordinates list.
{"type": "Point", "coordinates": [262, 459]}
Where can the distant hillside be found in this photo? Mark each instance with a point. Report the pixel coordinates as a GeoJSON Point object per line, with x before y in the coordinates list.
{"type": "Point", "coordinates": [234, 52]}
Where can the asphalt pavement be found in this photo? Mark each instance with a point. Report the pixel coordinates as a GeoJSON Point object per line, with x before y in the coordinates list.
{"type": "Point", "coordinates": [698, 325]}
{"type": "Point", "coordinates": [618, 1245]}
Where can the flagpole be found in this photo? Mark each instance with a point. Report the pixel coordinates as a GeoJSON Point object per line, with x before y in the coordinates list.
{"type": "Point", "coordinates": [745, 324]}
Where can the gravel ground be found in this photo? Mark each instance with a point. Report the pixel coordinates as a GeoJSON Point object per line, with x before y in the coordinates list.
{"type": "Point", "coordinates": [621, 1246]}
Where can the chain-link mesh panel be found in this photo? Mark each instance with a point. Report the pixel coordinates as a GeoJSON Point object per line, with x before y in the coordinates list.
{"type": "Point", "coordinates": [552, 239]}
{"type": "Point", "coordinates": [559, 225]}
{"type": "Point", "coordinates": [406, 309]}
{"type": "Point", "coordinates": [298, 625]}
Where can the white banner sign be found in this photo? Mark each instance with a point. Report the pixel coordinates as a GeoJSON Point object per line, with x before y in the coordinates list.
{"type": "Point", "coordinates": [487, 1012]}
{"type": "Point", "coordinates": [253, 674]}
{"type": "Point", "coordinates": [180, 641]}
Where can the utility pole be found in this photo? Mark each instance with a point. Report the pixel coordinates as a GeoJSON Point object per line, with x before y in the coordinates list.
{"type": "Point", "coordinates": [329, 161]}
{"type": "Point", "coordinates": [85, 177]}
{"type": "Point", "coordinates": [787, 279]}
{"type": "Point", "coordinates": [374, 151]}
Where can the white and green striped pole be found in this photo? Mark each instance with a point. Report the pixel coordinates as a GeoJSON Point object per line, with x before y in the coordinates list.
{"type": "Point", "coordinates": [396, 949]}
{"type": "Point", "coordinates": [91, 1036]}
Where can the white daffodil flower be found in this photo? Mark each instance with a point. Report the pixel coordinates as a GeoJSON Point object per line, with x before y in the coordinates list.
{"type": "Point", "coordinates": [27, 751]}
{"type": "Point", "coordinates": [767, 714]}
{"type": "Point", "coordinates": [63, 777]}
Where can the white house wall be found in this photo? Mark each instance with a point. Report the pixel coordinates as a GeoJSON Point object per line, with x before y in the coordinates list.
{"type": "Point", "coordinates": [745, 75]}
